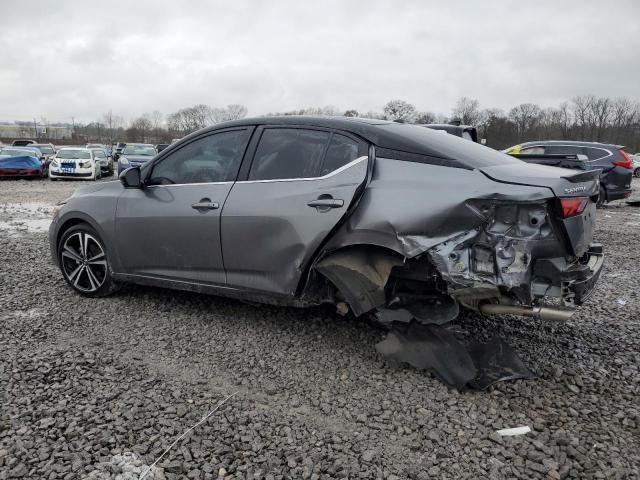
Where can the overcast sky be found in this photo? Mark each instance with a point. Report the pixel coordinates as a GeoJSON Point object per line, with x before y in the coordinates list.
{"type": "Point", "coordinates": [62, 59]}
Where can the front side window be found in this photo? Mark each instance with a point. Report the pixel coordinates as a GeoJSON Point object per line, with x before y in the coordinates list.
{"type": "Point", "coordinates": [214, 158]}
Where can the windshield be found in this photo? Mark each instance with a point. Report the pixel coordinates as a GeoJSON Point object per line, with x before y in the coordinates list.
{"type": "Point", "coordinates": [46, 149]}
{"type": "Point", "coordinates": [139, 150]}
{"type": "Point", "coordinates": [14, 152]}
{"type": "Point", "coordinates": [73, 154]}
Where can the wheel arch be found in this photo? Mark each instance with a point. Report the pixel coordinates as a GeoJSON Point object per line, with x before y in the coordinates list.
{"type": "Point", "coordinates": [360, 273]}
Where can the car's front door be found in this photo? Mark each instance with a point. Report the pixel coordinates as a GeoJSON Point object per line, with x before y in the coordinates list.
{"type": "Point", "coordinates": [171, 228]}
{"type": "Point", "coordinates": [300, 184]}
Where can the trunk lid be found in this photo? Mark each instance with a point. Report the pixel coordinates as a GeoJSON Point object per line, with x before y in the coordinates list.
{"type": "Point", "coordinates": [578, 229]}
{"type": "Point", "coordinates": [561, 181]}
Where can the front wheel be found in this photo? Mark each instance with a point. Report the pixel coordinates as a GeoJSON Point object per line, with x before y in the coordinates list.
{"type": "Point", "coordinates": [84, 262]}
{"type": "Point", "coordinates": [636, 172]}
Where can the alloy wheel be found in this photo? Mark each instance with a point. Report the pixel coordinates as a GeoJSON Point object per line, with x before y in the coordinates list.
{"type": "Point", "coordinates": [84, 262]}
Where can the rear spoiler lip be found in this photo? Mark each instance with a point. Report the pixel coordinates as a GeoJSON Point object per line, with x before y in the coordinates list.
{"type": "Point", "coordinates": [583, 176]}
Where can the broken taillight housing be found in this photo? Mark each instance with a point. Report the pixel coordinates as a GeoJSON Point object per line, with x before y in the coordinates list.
{"type": "Point", "coordinates": [627, 162]}
{"type": "Point", "coordinates": [573, 206]}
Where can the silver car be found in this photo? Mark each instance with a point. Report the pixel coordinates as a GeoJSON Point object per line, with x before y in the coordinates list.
{"type": "Point", "coordinates": [374, 217]}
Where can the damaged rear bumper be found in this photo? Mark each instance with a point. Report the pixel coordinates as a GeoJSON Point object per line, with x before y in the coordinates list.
{"type": "Point", "coordinates": [572, 283]}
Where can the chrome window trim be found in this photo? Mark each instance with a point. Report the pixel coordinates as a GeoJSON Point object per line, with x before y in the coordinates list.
{"type": "Point", "coordinates": [609, 153]}
{"type": "Point", "coordinates": [308, 179]}
{"type": "Point", "coordinates": [189, 184]}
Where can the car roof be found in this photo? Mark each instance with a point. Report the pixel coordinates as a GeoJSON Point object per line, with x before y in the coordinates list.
{"type": "Point", "coordinates": [577, 143]}
{"type": "Point", "coordinates": [393, 136]}
{"type": "Point", "coordinates": [141, 144]}
{"type": "Point", "coordinates": [74, 148]}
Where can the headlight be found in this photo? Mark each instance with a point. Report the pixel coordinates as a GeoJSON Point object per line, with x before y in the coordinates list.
{"type": "Point", "coordinates": [54, 162]}
{"type": "Point", "coordinates": [86, 164]}
{"type": "Point", "coordinates": [124, 161]}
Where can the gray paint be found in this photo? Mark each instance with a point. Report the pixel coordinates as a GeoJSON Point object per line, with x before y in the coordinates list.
{"type": "Point", "coordinates": [264, 241]}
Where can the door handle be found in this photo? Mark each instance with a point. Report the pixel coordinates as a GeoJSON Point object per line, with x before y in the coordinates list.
{"type": "Point", "coordinates": [205, 204]}
{"type": "Point", "coordinates": [322, 203]}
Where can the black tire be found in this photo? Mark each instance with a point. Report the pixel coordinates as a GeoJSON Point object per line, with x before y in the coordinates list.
{"type": "Point", "coordinates": [84, 262]}
{"type": "Point", "coordinates": [636, 172]}
{"type": "Point", "coordinates": [602, 198]}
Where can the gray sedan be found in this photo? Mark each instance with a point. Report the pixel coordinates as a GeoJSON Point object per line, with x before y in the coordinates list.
{"type": "Point", "coordinates": [371, 216]}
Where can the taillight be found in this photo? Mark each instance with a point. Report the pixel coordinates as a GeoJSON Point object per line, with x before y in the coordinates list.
{"type": "Point", "coordinates": [627, 162]}
{"type": "Point", "coordinates": [573, 206]}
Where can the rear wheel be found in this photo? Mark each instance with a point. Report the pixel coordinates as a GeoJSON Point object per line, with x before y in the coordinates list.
{"type": "Point", "coordinates": [84, 262]}
{"type": "Point", "coordinates": [636, 172]}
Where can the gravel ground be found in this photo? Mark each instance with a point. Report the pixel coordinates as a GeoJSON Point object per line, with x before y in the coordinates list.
{"type": "Point", "coordinates": [99, 388]}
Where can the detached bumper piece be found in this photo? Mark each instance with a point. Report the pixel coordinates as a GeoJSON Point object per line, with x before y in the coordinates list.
{"type": "Point", "coordinates": [576, 281]}
{"type": "Point", "coordinates": [434, 348]}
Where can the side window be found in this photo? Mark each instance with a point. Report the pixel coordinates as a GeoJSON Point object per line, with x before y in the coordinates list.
{"type": "Point", "coordinates": [214, 158]}
{"type": "Point", "coordinates": [537, 150]}
{"type": "Point", "coordinates": [341, 151]}
{"type": "Point", "coordinates": [98, 154]}
{"type": "Point", "coordinates": [595, 153]}
{"type": "Point", "coordinates": [562, 150]}
{"type": "Point", "coordinates": [288, 153]}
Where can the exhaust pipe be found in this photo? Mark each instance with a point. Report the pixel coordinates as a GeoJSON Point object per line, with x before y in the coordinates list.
{"type": "Point", "coordinates": [541, 313]}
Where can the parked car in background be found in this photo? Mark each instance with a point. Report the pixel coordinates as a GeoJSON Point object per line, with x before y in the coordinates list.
{"type": "Point", "coordinates": [21, 162]}
{"type": "Point", "coordinates": [636, 165]}
{"type": "Point", "coordinates": [161, 146]}
{"type": "Point", "coordinates": [118, 150]}
{"type": "Point", "coordinates": [104, 159]}
{"type": "Point", "coordinates": [74, 162]}
{"type": "Point", "coordinates": [615, 164]}
{"type": "Point", "coordinates": [135, 154]}
{"type": "Point", "coordinates": [22, 142]}
{"type": "Point", "coordinates": [368, 215]}
{"type": "Point", "coordinates": [46, 149]}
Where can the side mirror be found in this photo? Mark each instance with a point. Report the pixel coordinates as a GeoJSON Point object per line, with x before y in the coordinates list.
{"type": "Point", "coordinates": [131, 178]}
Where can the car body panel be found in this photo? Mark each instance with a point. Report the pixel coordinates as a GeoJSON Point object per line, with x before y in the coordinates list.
{"type": "Point", "coordinates": [470, 224]}
{"type": "Point", "coordinates": [158, 233]}
{"type": "Point", "coordinates": [21, 166]}
{"type": "Point", "coordinates": [615, 180]}
{"type": "Point", "coordinates": [71, 168]}
{"type": "Point", "coordinates": [288, 230]}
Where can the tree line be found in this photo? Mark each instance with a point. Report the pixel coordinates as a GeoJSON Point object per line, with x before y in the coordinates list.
{"type": "Point", "coordinates": [590, 118]}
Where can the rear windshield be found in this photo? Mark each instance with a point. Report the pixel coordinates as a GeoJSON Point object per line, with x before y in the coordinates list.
{"type": "Point", "coordinates": [45, 149]}
{"type": "Point", "coordinates": [14, 152]}
{"type": "Point", "coordinates": [461, 153]}
{"type": "Point", "coordinates": [139, 150]}
{"type": "Point", "coordinates": [73, 154]}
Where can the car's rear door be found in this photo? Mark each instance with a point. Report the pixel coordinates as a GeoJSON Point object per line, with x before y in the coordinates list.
{"type": "Point", "coordinates": [171, 228]}
{"type": "Point", "coordinates": [298, 187]}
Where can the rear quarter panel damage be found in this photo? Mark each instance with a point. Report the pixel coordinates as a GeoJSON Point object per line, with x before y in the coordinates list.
{"type": "Point", "coordinates": [409, 209]}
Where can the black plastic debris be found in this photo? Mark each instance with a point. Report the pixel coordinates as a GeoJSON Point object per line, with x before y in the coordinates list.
{"type": "Point", "coordinates": [496, 361]}
{"type": "Point", "coordinates": [434, 348]}
{"type": "Point", "coordinates": [633, 203]}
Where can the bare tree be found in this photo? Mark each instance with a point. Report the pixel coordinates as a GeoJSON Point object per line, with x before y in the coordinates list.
{"type": "Point", "coordinates": [399, 111]}
{"type": "Point", "coordinates": [425, 117]}
{"type": "Point", "coordinates": [351, 113]}
{"type": "Point", "coordinates": [467, 110]}
{"type": "Point", "coordinates": [525, 116]}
